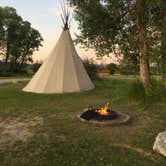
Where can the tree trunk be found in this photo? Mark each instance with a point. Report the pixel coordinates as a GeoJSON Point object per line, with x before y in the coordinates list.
{"type": "Point", "coordinates": [22, 63]}
{"type": "Point", "coordinates": [143, 56]}
{"type": "Point", "coordinates": [163, 43]}
{"type": "Point", "coordinates": [7, 52]}
{"type": "Point", "coordinates": [7, 47]}
{"type": "Point", "coordinates": [144, 59]}
{"type": "Point", "coordinates": [13, 64]}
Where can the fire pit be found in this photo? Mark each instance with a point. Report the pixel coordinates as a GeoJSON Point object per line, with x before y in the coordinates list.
{"type": "Point", "coordinates": [103, 116]}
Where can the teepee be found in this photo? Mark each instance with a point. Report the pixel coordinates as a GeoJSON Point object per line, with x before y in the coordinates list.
{"type": "Point", "coordinates": [63, 70]}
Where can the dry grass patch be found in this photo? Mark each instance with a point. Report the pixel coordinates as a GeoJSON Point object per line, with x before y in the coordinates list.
{"type": "Point", "coordinates": [14, 129]}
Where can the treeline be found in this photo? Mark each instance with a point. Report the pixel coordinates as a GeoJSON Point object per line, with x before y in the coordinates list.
{"type": "Point", "coordinates": [135, 29]}
{"type": "Point", "coordinates": [18, 41]}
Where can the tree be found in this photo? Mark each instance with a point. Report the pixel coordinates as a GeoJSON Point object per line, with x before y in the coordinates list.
{"type": "Point", "coordinates": [17, 38]}
{"type": "Point", "coordinates": [91, 68]}
{"type": "Point", "coordinates": [163, 41]}
{"type": "Point", "coordinates": [9, 20]}
{"type": "Point", "coordinates": [112, 67]}
{"type": "Point", "coordinates": [143, 55]}
{"type": "Point", "coordinates": [28, 40]}
{"type": "Point", "coordinates": [118, 26]}
{"type": "Point", "coordinates": [129, 67]}
{"type": "Point", "coordinates": [158, 22]}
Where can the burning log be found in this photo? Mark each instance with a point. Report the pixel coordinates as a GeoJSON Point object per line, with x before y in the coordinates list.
{"type": "Point", "coordinates": [104, 111]}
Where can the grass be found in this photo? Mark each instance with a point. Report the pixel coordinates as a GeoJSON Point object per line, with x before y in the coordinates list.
{"type": "Point", "coordinates": [14, 75]}
{"type": "Point", "coordinates": [63, 140]}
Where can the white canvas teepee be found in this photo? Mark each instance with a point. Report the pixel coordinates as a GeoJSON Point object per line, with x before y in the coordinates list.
{"type": "Point", "coordinates": [63, 70]}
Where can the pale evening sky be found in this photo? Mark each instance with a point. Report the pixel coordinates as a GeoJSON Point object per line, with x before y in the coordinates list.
{"type": "Point", "coordinates": [44, 15]}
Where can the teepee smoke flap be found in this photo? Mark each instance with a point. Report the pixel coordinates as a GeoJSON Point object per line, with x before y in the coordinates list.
{"type": "Point", "coordinates": [65, 16]}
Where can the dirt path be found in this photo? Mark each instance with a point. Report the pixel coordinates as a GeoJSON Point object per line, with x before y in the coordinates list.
{"type": "Point", "coordinates": [13, 80]}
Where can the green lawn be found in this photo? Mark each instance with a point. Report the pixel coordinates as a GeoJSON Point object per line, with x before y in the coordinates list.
{"type": "Point", "coordinates": [58, 138]}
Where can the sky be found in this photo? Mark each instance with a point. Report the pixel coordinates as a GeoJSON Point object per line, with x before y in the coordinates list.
{"type": "Point", "coordinates": [44, 15]}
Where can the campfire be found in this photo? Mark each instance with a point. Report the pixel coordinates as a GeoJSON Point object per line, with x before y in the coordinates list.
{"type": "Point", "coordinates": [99, 114]}
{"type": "Point", "coordinates": [104, 110]}
{"type": "Point", "coordinates": [103, 115]}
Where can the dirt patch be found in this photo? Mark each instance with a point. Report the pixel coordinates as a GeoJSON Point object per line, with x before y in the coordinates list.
{"type": "Point", "coordinates": [17, 129]}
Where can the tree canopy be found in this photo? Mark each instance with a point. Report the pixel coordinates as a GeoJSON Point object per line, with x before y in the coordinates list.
{"type": "Point", "coordinates": [18, 39]}
{"type": "Point", "coordinates": [132, 28]}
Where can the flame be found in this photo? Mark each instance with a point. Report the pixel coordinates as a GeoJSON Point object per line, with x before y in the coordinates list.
{"type": "Point", "coordinates": [103, 111]}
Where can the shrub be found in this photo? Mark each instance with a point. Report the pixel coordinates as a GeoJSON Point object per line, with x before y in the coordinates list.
{"type": "Point", "coordinates": [129, 69]}
{"type": "Point", "coordinates": [91, 69]}
{"type": "Point", "coordinates": [112, 67]}
{"type": "Point", "coordinates": [137, 92]}
{"type": "Point", "coordinates": [36, 66]}
{"type": "Point", "coordinates": [154, 92]}
{"type": "Point", "coordinates": [29, 72]}
{"type": "Point", "coordinates": [4, 69]}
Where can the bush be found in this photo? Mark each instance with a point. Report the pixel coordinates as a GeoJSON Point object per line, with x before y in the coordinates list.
{"type": "Point", "coordinates": [4, 69]}
{"type": "Point", "coordinates": [36, 66]}
{"type": "Point", "coordinates": [129, 69]}
{"type": "Point", "coordinates": [112, 67]}
{"type": "Point", "coordinates": [29, 72]}
{"type": "Point", "coordinates": [136, 91]}
{"type": "Point", "coordinates": [6, 74]}
{"type": "Point", "coordinates": [153, 94]}
{"type": "Point", "coordinates": [91, 69]}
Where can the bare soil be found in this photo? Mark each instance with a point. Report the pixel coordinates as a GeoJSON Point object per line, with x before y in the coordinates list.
{"type": "Point", "coordinates": [17, 129]}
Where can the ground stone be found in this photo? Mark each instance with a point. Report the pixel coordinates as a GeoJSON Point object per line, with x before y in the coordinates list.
{"type": "Point", "coordinates": [160, 143]}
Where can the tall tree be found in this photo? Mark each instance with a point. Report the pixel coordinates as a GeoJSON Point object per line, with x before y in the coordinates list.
{"type": "Point", "coordinates": [26, 42]}
{"type": "Point", "coordinates": [9, 22]}
{"type": "Point", "coordinates": [118, 26]}
{"type": "Point", "coordinates": [143, 53]}
{"type": "Point", "coordinates": [18, 40]}
{"type": "Point", "coordinates": [163, 41]}
{"type": "Point", "coordinates": [158, 22]}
